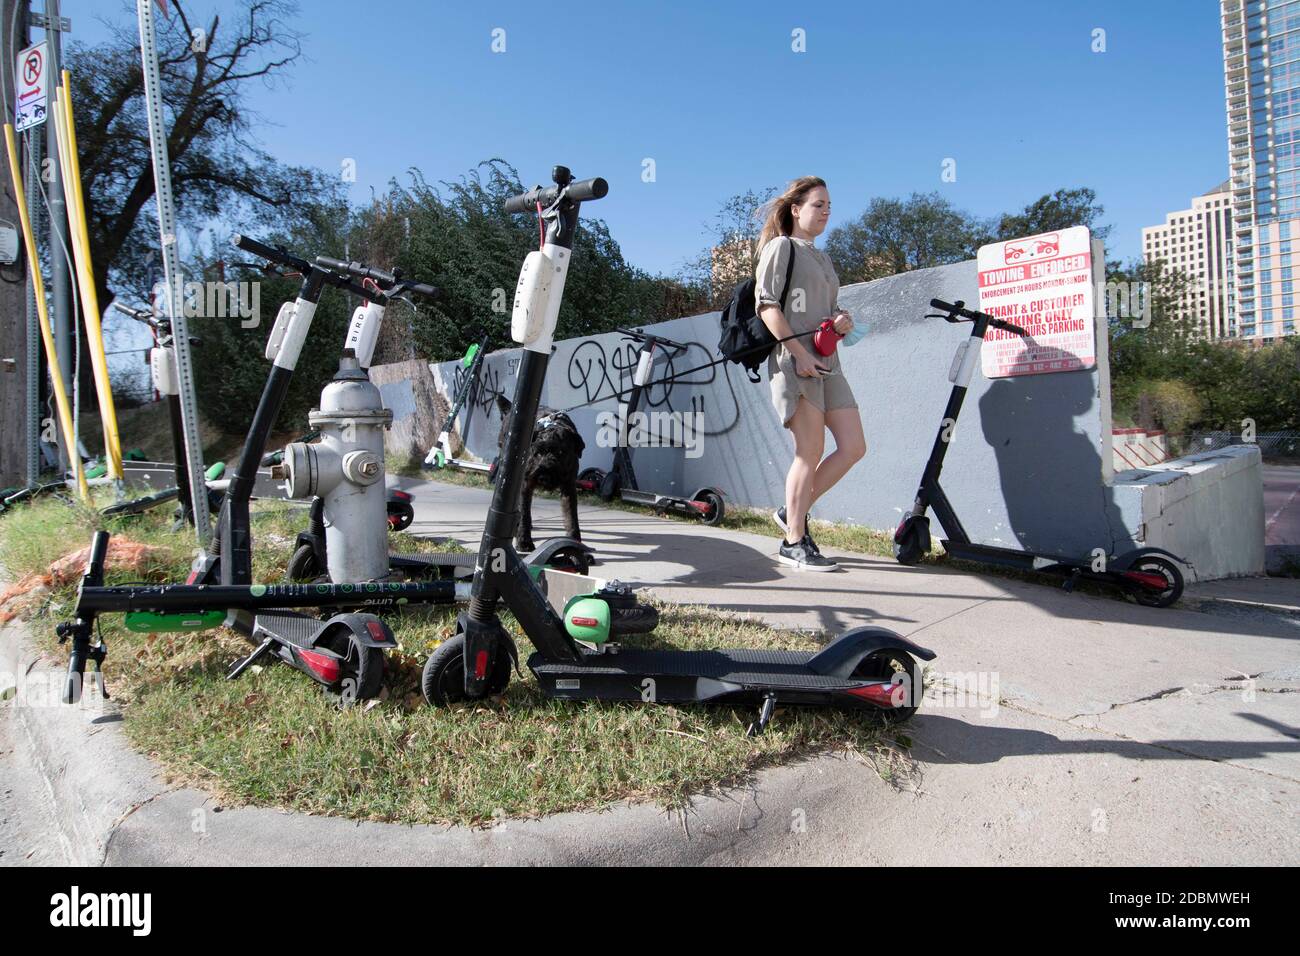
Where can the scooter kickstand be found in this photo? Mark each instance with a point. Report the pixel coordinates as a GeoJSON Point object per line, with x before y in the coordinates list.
{"type": "Point", "coordinates": [765, 712]}
{"type": "Point", "coordinates": [251, 659]}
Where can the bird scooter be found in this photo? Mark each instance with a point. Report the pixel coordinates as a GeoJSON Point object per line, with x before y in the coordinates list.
{"type": "Point", "coordinates": [577, 653]}
{"type": "Point", "coordinates": [706, 505]}
{"type": "Point", "coordinates": [1150, 575]}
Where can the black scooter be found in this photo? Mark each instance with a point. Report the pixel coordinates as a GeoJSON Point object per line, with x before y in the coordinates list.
{"type": "Point", "coordinates": [707, 505]}
{"type": "Point", "coordinates": [1150, 575]}
{"type": "Point", "coordinates": [577, 657]}
{"type": "Point", "coordinates": [343, 653]}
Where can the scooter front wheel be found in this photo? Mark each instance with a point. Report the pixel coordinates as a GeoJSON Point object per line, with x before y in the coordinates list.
{"type": "Point", "coordinates": [908, 546]}
{"type": "Point", "coordinates": [608, 486]}
{"type": "Point", "coordinates": [303, 566]}
{"type": "Point", "coordinates": [443, 678]}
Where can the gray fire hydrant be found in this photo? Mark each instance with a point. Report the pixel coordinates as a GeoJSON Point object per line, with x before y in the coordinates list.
{"type": "Point", "coordinates": [345, 468]}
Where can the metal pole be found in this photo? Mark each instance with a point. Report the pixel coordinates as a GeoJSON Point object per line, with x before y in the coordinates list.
{"type": "Point", "coordinates": [172, 269]}
{"type": "Point", "coordinates": [33, 321]}
{"type": "Point", "coordinates": [60, 286]}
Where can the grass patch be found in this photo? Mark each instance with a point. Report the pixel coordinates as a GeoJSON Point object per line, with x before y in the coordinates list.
{"type": "Point", "coordinates": [273, 739]}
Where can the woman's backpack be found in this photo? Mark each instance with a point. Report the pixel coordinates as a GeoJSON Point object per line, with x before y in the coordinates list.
{"type": "Point", "coordinates": [745, 339]}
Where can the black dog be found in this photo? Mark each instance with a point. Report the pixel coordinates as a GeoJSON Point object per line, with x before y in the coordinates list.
{"type": "Point", "coordinates": [552, 465]}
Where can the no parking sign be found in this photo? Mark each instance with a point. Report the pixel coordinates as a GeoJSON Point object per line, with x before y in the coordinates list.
{"type": "Point", "coordinates": [31, 87]}
{"type": "Point", "coordinates": [1044, 284]}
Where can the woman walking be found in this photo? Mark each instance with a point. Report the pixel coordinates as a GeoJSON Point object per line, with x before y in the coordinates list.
{"type": "Point", "coordinates": [809, 390]}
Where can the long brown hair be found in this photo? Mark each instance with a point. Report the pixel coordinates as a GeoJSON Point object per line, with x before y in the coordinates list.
{"type": "Point", "coordinates": [778, 220]}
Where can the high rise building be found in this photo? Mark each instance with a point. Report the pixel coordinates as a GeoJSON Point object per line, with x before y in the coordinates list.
{"type": "Point", "coordinates": [1261, 72]}
{"type": "Point", "coordinates": [1198, 243]}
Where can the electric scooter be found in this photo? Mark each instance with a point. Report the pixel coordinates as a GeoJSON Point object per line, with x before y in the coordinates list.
{"type": "Point", "coordinates": [440, 456]}
{"type": "Point", "coordinates": [706, 505]}
{"type": "Point", "coordinates": [1150, 575]}
{"type": "Point", "coordinates": [339, 652]}
{"type": "Point", "coordinates": [578, 656]}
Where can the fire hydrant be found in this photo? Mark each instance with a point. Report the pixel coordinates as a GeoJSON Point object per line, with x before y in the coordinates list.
{"type": "Point", "coordinates": [345, 468]}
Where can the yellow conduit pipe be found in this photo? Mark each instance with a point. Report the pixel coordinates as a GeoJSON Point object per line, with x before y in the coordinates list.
{"type": "Point", "coordinates": [51, 357]}
{"type": "Point", "coordinates": [67, 139]}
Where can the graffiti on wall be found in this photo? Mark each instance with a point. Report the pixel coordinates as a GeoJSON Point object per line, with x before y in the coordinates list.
{"type": "Point", "coordinates": [597, 373]}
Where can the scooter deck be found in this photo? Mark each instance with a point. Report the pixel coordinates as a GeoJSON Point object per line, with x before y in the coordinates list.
{"type": "Point", "coordinates": [685, 676]}
{"type": "Point", "coordinates": [439, 560]}
{"type": "Point", "coordinates": [300, 630]}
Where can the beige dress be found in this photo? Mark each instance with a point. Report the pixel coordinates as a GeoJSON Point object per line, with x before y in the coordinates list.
{"type": "Point", "coordinates": [814, 296]}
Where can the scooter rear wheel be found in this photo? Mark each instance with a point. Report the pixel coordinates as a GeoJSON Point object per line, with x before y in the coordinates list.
{"type": "Point", "coordinates": [639, 619]}
{"type": "Point", "coordinates": [443, 678]}
{"type": "Point", "coordinates": [361, 676]}
{"type": "Point", "coordinates": [1173, 590]}
{"type": "Point", "coordinates": [400, 515]}
{"type": "Point", "coordinates": [885, 664]}
{"type": "Point", "coordinates": [717, 507]}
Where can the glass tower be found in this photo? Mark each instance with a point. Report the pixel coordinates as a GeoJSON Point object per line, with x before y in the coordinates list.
{"type": "Point", "coordinates": [1261, 71]}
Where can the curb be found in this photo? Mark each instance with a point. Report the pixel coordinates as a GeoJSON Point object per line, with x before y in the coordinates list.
{"type": "Point", "coordinates": [93, 777]}
{"type": "Point", "coordinates": [113, 808]}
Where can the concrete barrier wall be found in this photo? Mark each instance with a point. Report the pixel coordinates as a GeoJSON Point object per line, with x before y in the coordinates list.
{"type": "Point", "coordinates": [1207, 507]}
{"type": "Point", "coordinates": [1029, 467]}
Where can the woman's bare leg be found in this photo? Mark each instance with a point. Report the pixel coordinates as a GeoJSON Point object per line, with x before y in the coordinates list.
{"type": "Point", "coordinates": [850, 445]}
{"type": "Point", "coordinates": [808, 425]}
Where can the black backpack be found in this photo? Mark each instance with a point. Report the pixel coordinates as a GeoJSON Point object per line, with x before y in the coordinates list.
{"type": "Point", "coordinates": [746, 340]}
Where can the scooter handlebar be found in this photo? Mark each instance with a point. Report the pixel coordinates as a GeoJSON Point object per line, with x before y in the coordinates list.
{"type": "Point", "coordinates": [675, 347]}
{"type": "Point", "coordinates": [140, 315]}
{"type": "Point", "coordinates": [385, 280]}
{"type": "Point", "coordinates": [959, 308]}
{"type": "Point", "coordinates": [270, 254]}
{"type": "Point", "coordinates": [583, 190]}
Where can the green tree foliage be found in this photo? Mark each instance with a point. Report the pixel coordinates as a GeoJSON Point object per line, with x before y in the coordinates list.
{"type": "Point", "coordinates": [1058, 210]}
{"type": "Point", "coordinates": [1165, 374]}
{"type": "Point", "coordinates": [216, 168]}
{"type": "Point", "coordinates": [900, 235]}
{"type": "Point", "coordinates": [732, 253]}
{"type": "Point", "coordinates": [454, 235]}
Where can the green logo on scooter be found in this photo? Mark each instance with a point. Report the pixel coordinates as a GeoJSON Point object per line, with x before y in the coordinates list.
{"type": "Point", "coordinates": [149, 622]}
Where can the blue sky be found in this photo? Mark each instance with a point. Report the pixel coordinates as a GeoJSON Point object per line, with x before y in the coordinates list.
{"type": "Point", "coordinates": [713, 93]}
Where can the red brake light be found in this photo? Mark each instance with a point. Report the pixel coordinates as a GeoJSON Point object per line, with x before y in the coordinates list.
{"type": "Point", "coordinates": [324, 666]}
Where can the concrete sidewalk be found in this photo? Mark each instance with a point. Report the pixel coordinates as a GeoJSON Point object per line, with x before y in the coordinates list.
{"type": "Point", "coordinates": [1093, 731]}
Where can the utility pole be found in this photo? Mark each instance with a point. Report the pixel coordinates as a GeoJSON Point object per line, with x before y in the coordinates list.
{"type": "Point", "coordinates": [16, 340]}
{"type": "Point", "coordinates": [60, 286]}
